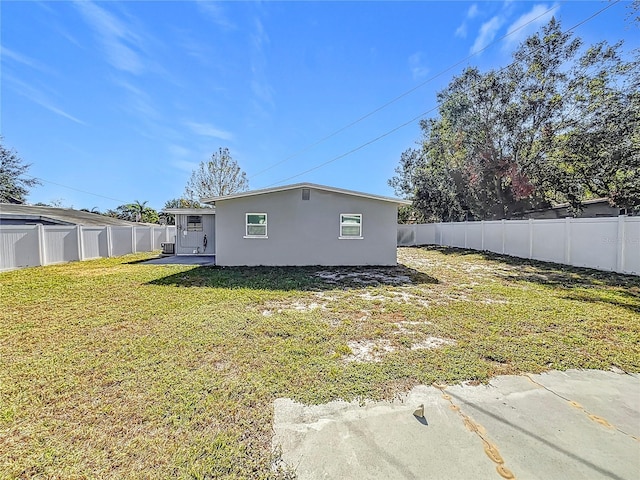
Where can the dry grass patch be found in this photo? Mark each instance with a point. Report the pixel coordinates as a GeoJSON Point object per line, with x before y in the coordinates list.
{"type": "Point", "coordinates": [116, 369]}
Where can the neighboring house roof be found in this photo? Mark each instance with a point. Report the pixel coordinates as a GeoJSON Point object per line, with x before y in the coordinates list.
{"type": "Point", "coordinates": [592, 201]}
{"type": "Point", "coordinates": [190, 211]}
{"type": "Point", "coordinates": [325, 188]}
{"type": "Point", "coordinates": [56, 216]}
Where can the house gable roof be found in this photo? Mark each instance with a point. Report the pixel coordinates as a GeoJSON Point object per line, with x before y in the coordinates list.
{"type": "Point", "coordinates": [252, 193]}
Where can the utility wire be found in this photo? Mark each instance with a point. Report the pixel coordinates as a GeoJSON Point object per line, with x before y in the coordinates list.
{"type": "Point", "coordinates": [73, 188]}
{"type": "Point", "coordinates": [401, 96]}
{"type": "Point", "coordinates": [425, 113]}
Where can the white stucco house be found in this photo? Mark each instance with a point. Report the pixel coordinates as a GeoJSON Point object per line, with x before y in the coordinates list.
{"type": "Point", "coordinates": [300, 224]}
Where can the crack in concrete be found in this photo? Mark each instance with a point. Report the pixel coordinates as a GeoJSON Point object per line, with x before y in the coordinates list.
{"type": "Point", "coordinates": [600, 420]}
{"type": "Point", "coordinates": [490, 448]}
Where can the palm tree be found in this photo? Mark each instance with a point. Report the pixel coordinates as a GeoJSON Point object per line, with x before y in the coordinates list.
{"type": "Point", "coordinates": [137, 208]}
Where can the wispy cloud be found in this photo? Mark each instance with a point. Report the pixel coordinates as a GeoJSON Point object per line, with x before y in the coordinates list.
{"type": "Point", "coordinates": [119, 42]}
{"type": "Point", "coordinates": [207, 130]}
{"type": "Point", "coordinates": [185, 165]}
{"type": "Point", "coordinates": [487, 33]}
{"type": "Point", "coordinates": [38, 97]}
{"type": "Point", "coordinates": [215, 12]}
{"type": "Point", "coordinates": [260, 86]}
{"type": "Point", "coordinates": [12, 55]}
{"type": "Point", "coordinates": [139, 102]}
{"type": "Point", "coordinates": [529, 22]}
{"type": "Point", "coordinates": [417, 66]}
{"type": "Point", "coordinates": [179, 151]}
{"type": "Point", "coordinates": [472, 12]}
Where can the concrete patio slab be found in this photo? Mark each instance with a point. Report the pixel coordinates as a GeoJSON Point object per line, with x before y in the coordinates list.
{"type": "Point", "coordinates": [570, 425]}
{"type": "Point", "coordinates": [202, 260]}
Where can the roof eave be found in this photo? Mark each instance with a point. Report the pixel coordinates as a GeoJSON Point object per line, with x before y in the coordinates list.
{"type": "Point", "coordinates": [264, 191]}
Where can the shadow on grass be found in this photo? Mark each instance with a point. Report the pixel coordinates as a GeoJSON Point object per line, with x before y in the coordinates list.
{"type": "Point", "coordinates": [316, 278]}
{"type": "Point", "coordinates": [580, 284]}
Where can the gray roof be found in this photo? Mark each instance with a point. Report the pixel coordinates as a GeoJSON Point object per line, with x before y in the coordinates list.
{"type": "Point", "coordinates": [190, 211]}
{"type": "Point", "coordinates": [325, 188]}
{"type": "Point", "coordinates": [61, 216]}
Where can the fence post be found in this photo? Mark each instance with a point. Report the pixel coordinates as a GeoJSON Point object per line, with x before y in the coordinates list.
{"type": "Point", "coordinates": [482, 235]}
{"type": "Point", "coordinates": [620, 244]}
{"type": "Point", "coordinates": [152, 239]}
{"type": "Point", "coordinates": [414, 227]}
{"type": "Point", "coordinates": [530, 238]}
{"type": "Point", "coordinates": [133, 239]}
{"type": "Point", "coordinates": [80, 242]}
{"type": "Point", "coordinates": [41, 253]}
{"type": "Point", "coordinates": [441, 228]}
{"type": "Point", "coordinates": [109, 242]}
{"type": "Point", "coordinates": [466, 227]}
{"type": "Point", "coordinates": [567, 240]}
{"type": "Point", "coordinates": [504, 227]}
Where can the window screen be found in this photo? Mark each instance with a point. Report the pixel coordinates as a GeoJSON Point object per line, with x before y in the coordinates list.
{"type": "Point", "coordinates": [194, 223]}
{"type": "Point", "coordinates": [256, 225]}
{"type": "Point", "coordinates": [351, 225]}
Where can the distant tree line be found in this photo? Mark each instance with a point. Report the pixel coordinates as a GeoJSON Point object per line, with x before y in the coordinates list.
{"type": "Point", "coordinates": [559, 124]}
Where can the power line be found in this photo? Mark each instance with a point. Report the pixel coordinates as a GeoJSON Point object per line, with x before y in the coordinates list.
{"type": "Point", "coordinates": [422, 114]}
{"type": "Point", "coordinates": [76, 189]}
{"type": "Point", "coordinates": [402, 95]}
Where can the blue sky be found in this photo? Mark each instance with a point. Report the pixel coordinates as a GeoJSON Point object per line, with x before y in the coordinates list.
{"type": "Point", "coordinates": [121, 100]}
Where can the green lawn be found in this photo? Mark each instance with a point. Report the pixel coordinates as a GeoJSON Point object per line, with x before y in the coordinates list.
{"type": "Point", "coordinates": [116, 369]}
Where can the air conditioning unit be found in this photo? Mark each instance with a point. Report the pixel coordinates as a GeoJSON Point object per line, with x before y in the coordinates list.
{"type": "Point", "coordinates": [168, 248]}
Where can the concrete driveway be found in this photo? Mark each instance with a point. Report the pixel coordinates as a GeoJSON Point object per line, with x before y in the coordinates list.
{"type": "Point", "coordinates": [557, 425]}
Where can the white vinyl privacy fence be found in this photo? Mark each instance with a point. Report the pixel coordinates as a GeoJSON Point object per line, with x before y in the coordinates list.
{"type": "Point", "coordinates": [33, 245]}
{"type": "Point", "coordinates": [606, 243]}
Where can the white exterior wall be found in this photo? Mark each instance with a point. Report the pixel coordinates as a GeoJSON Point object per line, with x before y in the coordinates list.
{"type": "Point", "coordinates": [305, 232]}
{"type": "Point", "coordinates": [608, 243]}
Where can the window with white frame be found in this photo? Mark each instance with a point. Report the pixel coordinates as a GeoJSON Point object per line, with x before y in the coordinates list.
{"type": "Point", "coordinates": [256, 225]}
{"type": "Point", "coordinates": [350, 225]}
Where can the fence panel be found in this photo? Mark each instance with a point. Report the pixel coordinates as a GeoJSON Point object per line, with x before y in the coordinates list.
{"type": "Point", "coordinates": [406, 235]}
{"type": "Point", "coordinates": [426, 234]}
{"type": "Point", "coordinates": [94, 242]}
{"type": "Point", "coordinates": [607, 243]}
{"type": "Point", "coordinates": [33, 245]}
{"type": "Point", "coordinates": [593, 243]}
{"type": "Point", "coordinates": [121, 241]}
{"type": "Point", "coordinates": [516, 238]}
{"type": "Point", "coordinates": [457, 234]}
{"type": "Point", "coordinates": [160, 235]}
{"type": "Point", "coordinates": [493, 236]}
{"type": "Point", "coordinates": [19, 246]}
{"type": "Point", "coordinates": [143, 239]}
{"type": "Point", "coordinates": [60, 244]}
{"type": "Point", "coordinates": [474, 235]}
{"type": "Point", "coordinates": [549, 240]}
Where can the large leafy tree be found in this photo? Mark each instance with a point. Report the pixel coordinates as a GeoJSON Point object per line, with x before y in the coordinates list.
{"type": "Point", "coordinates": [14, 187]}
{"type": "Point", "coordinates": [218, 176]}
{"type": "Point", "coordinates": [558, 124]}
